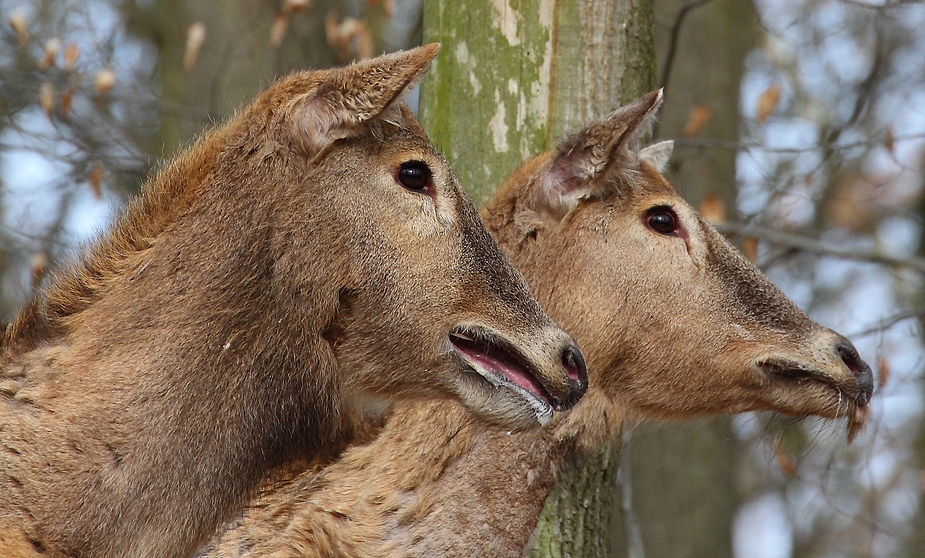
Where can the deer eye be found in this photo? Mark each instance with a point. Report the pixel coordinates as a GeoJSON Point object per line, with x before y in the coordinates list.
{"type": "Point", "coordinates": [662, 220]}
{"type": "Point", "coordinates": [414, 176]}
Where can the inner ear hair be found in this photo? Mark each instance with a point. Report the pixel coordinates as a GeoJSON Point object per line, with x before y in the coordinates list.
{"type": "Point", "coordinates": [348, 97]}
{"type": "Point", "coordinates": [657, 154]}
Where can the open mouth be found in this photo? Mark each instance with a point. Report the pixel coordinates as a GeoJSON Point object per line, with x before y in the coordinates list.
{"type": "Point", "coordinates": [502, 367]}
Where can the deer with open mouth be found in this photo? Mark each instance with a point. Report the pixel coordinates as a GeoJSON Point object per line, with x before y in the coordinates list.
{"type": "Point", "coordinates": [277, 282]}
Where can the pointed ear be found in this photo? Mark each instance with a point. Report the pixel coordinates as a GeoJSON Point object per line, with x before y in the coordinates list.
{"type": "Point", "coordinates": [343, 99]}
{"type": "Point", "coordinates": [605, 146]}
{"type": "Point", "coordinates": [657, 154]}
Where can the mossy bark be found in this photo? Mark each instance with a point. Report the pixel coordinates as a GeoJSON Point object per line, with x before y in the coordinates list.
{"type": "Point", "coordinates": [513, 75]}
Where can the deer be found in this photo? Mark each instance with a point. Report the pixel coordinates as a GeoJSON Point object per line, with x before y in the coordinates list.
{"type": "Point", "coordinates": [285, 277]}
{"type": "Point", "coordinates": [674, 323]}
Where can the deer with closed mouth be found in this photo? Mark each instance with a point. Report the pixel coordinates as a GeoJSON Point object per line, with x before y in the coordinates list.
{"type": "Point", "coordinates": [674, 323]}
{"type": "Point", "coordinates": [280, 280]}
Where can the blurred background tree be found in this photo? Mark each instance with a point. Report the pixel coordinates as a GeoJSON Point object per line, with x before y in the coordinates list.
{"type": "Point", "coordinates": [683, 480]}
{"type": "Point", "coordinates": [800, 129]}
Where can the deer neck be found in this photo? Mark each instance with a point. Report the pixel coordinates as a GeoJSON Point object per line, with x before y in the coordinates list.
{"type": "Point", "coordinates": [430, 483]}
{"type": "Point", "coordinates": [164, 402]}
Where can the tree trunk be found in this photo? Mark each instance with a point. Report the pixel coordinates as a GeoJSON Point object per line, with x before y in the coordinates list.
{"type": "Point", "coordinates": [236, 59]}
{"type": "Point", "coordinates": [514, 75]}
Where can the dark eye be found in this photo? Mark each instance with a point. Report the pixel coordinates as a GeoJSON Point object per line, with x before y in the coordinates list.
{"type": "Point", "coordinates": [662, 220]}
{"type": "Point", "coordinates": [414, 175]}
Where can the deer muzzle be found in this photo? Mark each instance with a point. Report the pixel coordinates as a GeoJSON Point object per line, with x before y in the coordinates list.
{"type": "Point", "coordinates": [545, 387]}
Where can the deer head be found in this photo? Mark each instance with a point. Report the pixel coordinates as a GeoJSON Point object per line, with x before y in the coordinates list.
{"type": "Point", "coordinates": [608, 245]}
{"type": "Point", "coordinates": [427, 303]}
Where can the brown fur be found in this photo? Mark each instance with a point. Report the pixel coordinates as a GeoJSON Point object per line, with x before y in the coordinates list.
{"type": "Point", "coordinates": [262, 292]}
{"type": "Point", "coordinates": [672, 325]}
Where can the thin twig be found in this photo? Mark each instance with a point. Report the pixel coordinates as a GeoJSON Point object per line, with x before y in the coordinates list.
{"type": "Point", "coordinates": [675, 34]}
{"type": "Point", "coordinates": [804, 244]}
{"type": "Point", "coordinates": [887, 323]}
{"type": "Point", "coordinates": [745, 146]}
{"type": "Point", "coordinates": [879, 7]}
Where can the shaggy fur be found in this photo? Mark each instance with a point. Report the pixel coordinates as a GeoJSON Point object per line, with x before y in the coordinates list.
{"type": "Point", "coordinates": [673, 325]}
{"type": "Point", "coordinates": [265, 288]}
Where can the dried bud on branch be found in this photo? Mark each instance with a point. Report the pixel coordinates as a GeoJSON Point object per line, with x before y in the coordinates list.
{"type": "Point", "coordinates": [47, 98]}
{"type": "Point", "coordinates": [767, 103]}
{"type": "Point", "coordinates": [38, 266]}
{"type": "Point", "coordinates": [295, 5]}
{"type": "Point", "coordinates": [279, 29]}
{"type": "Point", "coordinates": [20, 27]}
{"type": "Point", "coordinates": [349, 38]}
{"type": "Point", "coordinates": [195, 37]}
{"type": "Point", "coordinates": [66, 98]}
{"type": "Point", "coordinates": [712, 208]}
{"type": "Point", "coordinates": [71, 53]}
{"type": "Point", "coordinates": [96, 180]}
{"type": "Point", "coordinates": [103, 82]}
{"type": "Point", "coordinates": [696, 119]}
{"type": "Point", "coordinates": [52, 46]}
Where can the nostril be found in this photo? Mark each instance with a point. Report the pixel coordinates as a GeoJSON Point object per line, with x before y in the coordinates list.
{"type": "Point", "coordinates": [850, 357]}
{"type": "Point", "coordinates": [569, 362]}
{"type": "Point", "coordinates": [574, 364]}
{"type": "Point", "coordinates": [859, 369]}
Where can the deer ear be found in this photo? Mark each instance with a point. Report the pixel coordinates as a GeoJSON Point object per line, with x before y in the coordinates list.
{"type": "Point", "coordinates": [582, 158]}
{"type": "Point", "coordinates": [346, 98]}
{"type": "Point", "coordinates": [657, 154]}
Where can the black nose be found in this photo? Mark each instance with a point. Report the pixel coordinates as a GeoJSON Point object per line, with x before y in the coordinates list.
{"type": "Point", "coordinates": [860, 369]}
{"type": "Point", "coordinates": [574, 364]}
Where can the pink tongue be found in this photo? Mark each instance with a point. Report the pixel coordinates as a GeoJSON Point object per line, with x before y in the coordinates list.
{"type": "Point", "coordinates": [570, 371]}
{"type": "Point", "coordinates": [491, 360]}
{"type": "Point", "coordinates": [514, 374]}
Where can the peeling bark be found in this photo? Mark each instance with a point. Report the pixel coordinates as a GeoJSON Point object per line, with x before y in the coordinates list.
{"type": "Point", "coordinates": [513, 75]}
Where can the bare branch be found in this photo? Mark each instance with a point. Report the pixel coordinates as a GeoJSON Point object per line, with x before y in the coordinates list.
{"type": "Point", "coordinates": [804, 244]}
{"type": "Point", "coordinates": [675, 33]}
{"type": "Point", "coordinates": [879, 7]}
{"type": "Point", "coordinates": [889, 322]}
{"type": "Point", "coordinates": [707, 143]}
